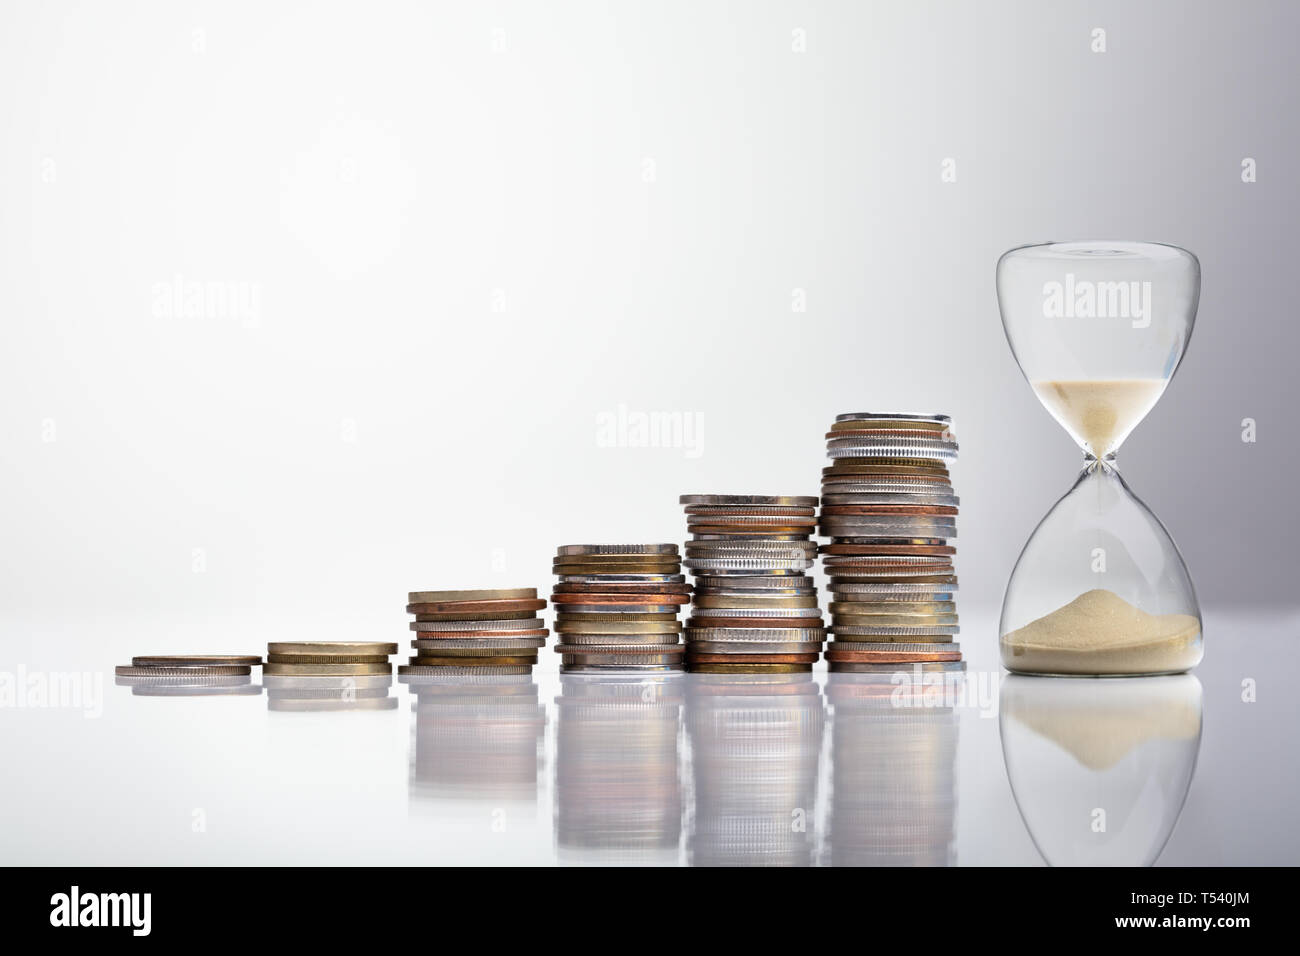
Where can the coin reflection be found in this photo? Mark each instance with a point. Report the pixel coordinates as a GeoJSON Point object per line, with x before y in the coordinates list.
{"type": "Point", "coordinates": [893, 774]}
{"type": "Point", "coordinates": [333, 693]}
{"type": "Point", "coordinates": [231, 686]}
{"type": "Point", "coordinates": [1100, 768]}
{"type": "Point", "coordinates": [755, 750]}
{"type": "Point", "coordinates": [476, 738]}
{"type": "Point", "coordinates": [618, 789]}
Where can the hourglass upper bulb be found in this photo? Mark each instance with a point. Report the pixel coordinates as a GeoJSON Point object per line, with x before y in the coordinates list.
{"type": "Point", "coordinates": [1098, 329]}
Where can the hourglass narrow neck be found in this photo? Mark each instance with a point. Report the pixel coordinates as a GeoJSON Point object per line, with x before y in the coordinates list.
{"type": "Point", "coordinates": [1107, 462]}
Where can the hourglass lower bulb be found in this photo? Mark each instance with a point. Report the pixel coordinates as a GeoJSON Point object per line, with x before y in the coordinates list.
{"type": "Point", "coordinates": [1100, 588]}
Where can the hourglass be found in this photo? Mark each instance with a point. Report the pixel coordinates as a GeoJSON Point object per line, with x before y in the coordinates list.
{"type": "Point", "coordinates": [1099, 329]}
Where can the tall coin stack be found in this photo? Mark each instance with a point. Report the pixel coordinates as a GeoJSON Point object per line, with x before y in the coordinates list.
{"type": "Point", "coordinates": [755, 609]}
{"type": "Point", "coordinates": [484, 633]}
{"type": "Point", "coordinates": [888, 508]}
{"type": "Point", "coordinates": [616, 607]}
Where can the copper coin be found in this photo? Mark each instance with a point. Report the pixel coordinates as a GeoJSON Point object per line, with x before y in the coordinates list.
{"type": "Point", "coordinates": [588, 597]}
{"type": "Point", "coordinates": [753, 658]}
{"type": "Point", "coordinates": [452, 635]}
{"type": "Point", "coordinates": [763, 622]}
{"type": "Point", "coordinates": [879, 550]}
{"type": "Point", "coordinates": [871, 510]}
{"type": "Point", "coordinates": [929, 435]}
{"type": "Point", "coordinates": [891, 424]}
{"type": "Point", "coordinates": [890, 657]}
{"type": "Point", "coordinates": [468, 607]}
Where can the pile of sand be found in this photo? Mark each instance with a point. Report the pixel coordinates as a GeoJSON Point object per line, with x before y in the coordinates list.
{"type": "Point", "coordinates": [1101, 633]}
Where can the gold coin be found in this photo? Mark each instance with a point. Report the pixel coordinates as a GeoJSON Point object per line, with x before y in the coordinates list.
{"type": "Point", "coordinates": [331, 647]}
{"type": "Point", "coordinates": [324, 670]}
{"type": "Point", "coordinates": [502, 594]}
{"type": "Point", "coordinates": [513, 661]}
{"type": "Point", "coordinates": [197, 660]}
{"type": "Point", "coordinates": [326, 658]}
{"type": "Point", "coordinates": [614, 627]}
{"type": "Point", "coordinates": [894, 620]}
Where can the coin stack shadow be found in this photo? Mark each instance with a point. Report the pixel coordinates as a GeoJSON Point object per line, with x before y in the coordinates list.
{"type": "Point", "coordinates": [487, 633]}
{"type": "Point", "coordinates": [616, 607]}
{"type": "Point", "coordinates": [328, 675]}
{"type": "Point", "coordinates": [755, 609]}
{"type": "Point", "coordinates": [889, 509]}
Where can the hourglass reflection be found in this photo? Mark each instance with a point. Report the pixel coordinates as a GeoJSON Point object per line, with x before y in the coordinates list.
{"type": "Point", "coordinates": [1098, 329]}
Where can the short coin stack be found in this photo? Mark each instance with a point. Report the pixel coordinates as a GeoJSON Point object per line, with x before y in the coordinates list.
{"type": "Point", "coordinates": [484, 633]}
{"type": "Point", "coordinates": [327, 659]}
{"type": "Point", "coordinates": [616, 607]}
{"type": "Point", "coordinates": [188, 674]}
{"type": "Point", "coordinates": [755, 609]}
{"type": "Point", "coordinates": [888, 508]}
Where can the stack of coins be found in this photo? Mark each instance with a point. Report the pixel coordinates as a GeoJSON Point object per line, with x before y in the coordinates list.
{"type": "Point", "coordinates": [485, 633]}
{"type": "Point", "coordinates": [755, 609]}
{"type": "Point", "coordinates": [189, 674]}
{"type": "Point", "coordinates": [328, 659]}
{"type": "Point", "coordinates": [616, 607]}
{"type": "Point", "coordinates": [889, 509]}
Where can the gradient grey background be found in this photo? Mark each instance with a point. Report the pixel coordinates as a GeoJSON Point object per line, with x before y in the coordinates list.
{"type": "Point", "coordinates": [446, 213]}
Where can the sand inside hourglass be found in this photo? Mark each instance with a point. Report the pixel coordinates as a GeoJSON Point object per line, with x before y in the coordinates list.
{"type": "Point", "coordinates": [1101, 413]}
{"type": "Point", "coordinates": [1101, 633]}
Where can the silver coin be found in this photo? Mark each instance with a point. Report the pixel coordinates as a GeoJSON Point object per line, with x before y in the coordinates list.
{"type": "Point", "coordinates": [747, 565]}
{"type": "Point", "coordinates": [859, 630]}
{"type": "Point", "coordinates": [755, 647]}
{"type": "Point", "coordinates": [796, 501]}
{"type": "Point", "coordinates": [612, 610]}
{"type": "Point", "coordinates": [876, 498]}
{"type": "Point", "coordinates": [937, 642]}
{"type": "Point", "coordinates": [664, 638]}
{"type": "Point", "coordinates": [576, 549]}
{"type": "Point", "coordinates": [622, 578]}
{"type": "Point", "coordinates": [760, 612]}
{"type": "Point", "coordinates": [620, 660]}
{"type": "Point", "coordinates": [751, 519]}
{"type": "Point", "coordinates": [771, 635]}
{"type": "Point", "coordinates": [326, 683]}
{"type": "Point", "coordinates": [192, 682]}
{"type": "Point", "coordinates": [793, 549]}
{"type": "Point", "coordinates": [912, 526]}
{"type": "Point", "coordinates": [902, 591]}
{"type": "Point", "coordinates": [188, 671]}
{"type": "Point", "coordinates": [869, 605]}
{"type": "Point", "coordinates": [937, 451]}
{"type": "Point", "coordinates": [513, 624]}
{"type": "Point", "coordinates": [751, 537]}
{"type": "Point", "coordinates": [901, 647]}
{"type": "Point", "coordinates": [422, 670]}
{"type": "Point", "coordinates": [589, 668]}
{"type": "Point", "coordinates": [892, 417]}
{"type": "Point", "coordinates": [776, 511]}
{"type": "Point", "coordinates": [904, 539]}
{"type": "Point", "coordinates": [486, 643]}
